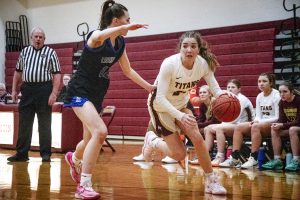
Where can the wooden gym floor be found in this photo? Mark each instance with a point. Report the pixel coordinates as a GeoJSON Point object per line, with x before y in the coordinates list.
{"type": "Point", "coordinates": [117, 177]}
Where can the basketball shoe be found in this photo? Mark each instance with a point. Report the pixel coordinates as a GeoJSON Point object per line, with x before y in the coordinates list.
{"type": "Point", "coordinates": [139, 158]}
{"type": "Point", "coordinates": [86, 192]}
{"type": "Point", "coordinates": [250, 163]}
{"type": "Point", "coordinates": [231, 162]}
{"type": "Point", "coordinates": [213, 186]}
{"type": "Point", "coordinates": [75, 171]}
{"type": "Point", "coordinates": [217, 161]}
{"type": "Point", "coordinates": [149, 145]}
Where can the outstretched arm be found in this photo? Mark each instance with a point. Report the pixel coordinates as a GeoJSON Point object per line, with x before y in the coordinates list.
{"type": "Point", "coordinates": [132, 74]}
{"type": "Point", "coordinates": [98, 37]}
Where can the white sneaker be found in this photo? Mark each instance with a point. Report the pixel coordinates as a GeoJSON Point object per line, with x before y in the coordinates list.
{"type": "Point", "coordinates": [144, 165]}
{"type": "Point", "coordinates": [216, 162]}
{"type": "Point", "coordinates": [213, 186]}
{"type": "Point", "coordinates": [139, 158]}
{"type": "Point", "coordinates": [231, 162]}
{"type": "Point", "coordinates": [168, 160]}
{"type": "Point", "coordinates": [148, 148]}
{"type": "Point", "coordinates": [250, 163]}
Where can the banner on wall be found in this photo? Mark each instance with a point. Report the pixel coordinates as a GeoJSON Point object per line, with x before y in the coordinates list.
{"type": "Point", "coordinates": [6, 128]}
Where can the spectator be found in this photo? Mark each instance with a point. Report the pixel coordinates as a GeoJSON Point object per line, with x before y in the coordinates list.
{"type": "Point", "coordinates": [205, 117]}
{"type": "Point", "coordinates": [267, 112]}
{"type": "Point", "coordinates": [288, 124]}
{"type": "Point", "coordinates": [226, 129]}
{"type": "Point", "coordinates": [62, 94]}
{"type": "Point", "coordinates": [3, 93]}
{"type": "Point", "coordinates": [38, 67]}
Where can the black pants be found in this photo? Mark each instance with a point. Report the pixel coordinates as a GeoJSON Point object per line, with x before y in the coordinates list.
{"type": "Point", "coordinates": [34, 100]}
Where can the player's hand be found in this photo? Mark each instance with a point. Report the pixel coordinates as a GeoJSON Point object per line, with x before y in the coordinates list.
{"type": "Point", "coordinates": [251, 123]}
{"type": "Point", "coordinates": [276, 126]}
{"type": "Point", "coordinates": [188, 120]}
{"type": "Point", "coordinates": [52, 99]}
{"type": "Point", "coordinates": [134, 26]}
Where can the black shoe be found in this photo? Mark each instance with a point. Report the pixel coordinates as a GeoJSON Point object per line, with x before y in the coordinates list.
{"type": "Point", "coordinates": [46, 159]}
{"type": "Point", "coordinates": [16, 158]}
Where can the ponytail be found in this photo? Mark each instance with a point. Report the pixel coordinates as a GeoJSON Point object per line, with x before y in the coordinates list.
{"type": "Point", "coordinates": [110, 10]}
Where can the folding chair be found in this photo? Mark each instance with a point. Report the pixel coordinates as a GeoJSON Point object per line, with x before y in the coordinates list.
{"type": "Point", "coordinates": [108, 114]}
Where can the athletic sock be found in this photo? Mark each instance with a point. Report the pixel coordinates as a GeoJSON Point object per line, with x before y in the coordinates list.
{"type": "Point", "coordinates": [86, 179]}
{"type": "Point", "coordinates": [75, 160]}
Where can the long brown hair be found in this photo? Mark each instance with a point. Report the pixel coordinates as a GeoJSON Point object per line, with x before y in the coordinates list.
{"type": "Point", "coordinates": [110, 10]}
{"type": "Point", "coordinates": [291, 87]}
{"type": "Point", "coordinates": [204, 49]}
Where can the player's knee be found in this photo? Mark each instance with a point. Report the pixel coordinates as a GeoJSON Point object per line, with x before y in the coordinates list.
{"type": "Point", "coordinates": [293, 131]}
{"type": "Point", "coordinates": [100, 134]}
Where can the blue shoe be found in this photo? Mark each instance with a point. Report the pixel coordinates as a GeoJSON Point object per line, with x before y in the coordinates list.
{"type": "Point", "coordinates": [293, 166]}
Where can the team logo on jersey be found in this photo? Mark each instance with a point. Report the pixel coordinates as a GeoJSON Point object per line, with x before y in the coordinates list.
{"type": "Point", "coordinates": [104, 73]}
{"type": "Point", "coordinates": [107, 60]}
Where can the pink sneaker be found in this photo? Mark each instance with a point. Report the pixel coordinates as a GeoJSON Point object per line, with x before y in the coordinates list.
{"type": "Point", "coordinates": [75, 171]}
{"type": "Point", "coordinates": [213, 186]}
{"type": "Point", "coordinates": [148, 148]}
{"type": "Point", "coordinates": [84, 192]}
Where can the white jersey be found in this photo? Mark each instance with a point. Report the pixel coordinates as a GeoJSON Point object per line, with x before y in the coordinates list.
{"type": "Point", "coordinates": [174, 82]}
{"type": "Point", "coordinates": [267, 107]}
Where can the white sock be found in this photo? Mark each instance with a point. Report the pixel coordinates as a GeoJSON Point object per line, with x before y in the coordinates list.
{"type": "Point", "coordinates": [296, 158]}
{"type": "Point", "coordinates": [75, 160]}
{"type": "Point", "coordinates": [208, 175]}
{"type": "Point", "coordinates": [276, 157]}
{"type": "Point", "coordinates": [221, 155]}
{"type": "Point", "coordinates": [86, 180]}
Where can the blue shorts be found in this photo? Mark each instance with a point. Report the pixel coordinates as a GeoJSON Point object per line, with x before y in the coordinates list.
{"type": "Point", "coordinates": [76, 102]}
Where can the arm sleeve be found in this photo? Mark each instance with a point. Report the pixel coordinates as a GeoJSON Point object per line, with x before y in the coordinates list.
{"type": "Point", "coordinates": [212, 83]}
{"type": "Point", "coordinates": [163, 83]}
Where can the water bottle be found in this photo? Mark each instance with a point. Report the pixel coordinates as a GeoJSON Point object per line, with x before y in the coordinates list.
{"type": "Point", "coordinates": [261, 157]}
{"type": "Point", "coordinates": [228, 152]}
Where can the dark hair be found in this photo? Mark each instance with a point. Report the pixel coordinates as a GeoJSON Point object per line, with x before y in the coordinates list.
{"type": "Point", "coordinates": [204, 50]}
{"type": "Point", "coordinates": [110, 10]}
{"type": "Point", "coordinates": [235, 82]}
{"type": "Point", "coordinates": [271, 78]}
{"type": "Point", "coordinates": [290, 86]}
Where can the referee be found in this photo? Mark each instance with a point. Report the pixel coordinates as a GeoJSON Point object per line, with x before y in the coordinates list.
{"type": "Point", "coordinates": [38, 67]}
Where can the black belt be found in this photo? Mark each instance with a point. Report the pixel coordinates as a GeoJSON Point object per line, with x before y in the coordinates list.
{"type": "Point", "coordinates": [37, 83]}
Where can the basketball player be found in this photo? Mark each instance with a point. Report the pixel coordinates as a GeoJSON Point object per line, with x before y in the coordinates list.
{"type": "Point", "coordinates": [267, 112]}
{"type": "Point", "coordinates": [227, 128]}
{"type": "Point", "coordinates": [88, 86]}
{"type": "Point", "coordinates": [178, 74]}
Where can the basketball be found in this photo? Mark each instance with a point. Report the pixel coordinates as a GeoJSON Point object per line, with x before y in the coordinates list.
{"type": "Point", "coordinates": [226, 108]}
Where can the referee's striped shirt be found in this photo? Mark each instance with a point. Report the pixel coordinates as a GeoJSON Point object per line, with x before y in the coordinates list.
{"type": "Point", "coordinates": [38, 65]}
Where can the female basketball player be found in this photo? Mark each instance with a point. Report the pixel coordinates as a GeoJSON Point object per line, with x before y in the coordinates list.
{"type": "Point", "coordinates": [227, 129]}
{"type": "Point", "coordinates": [267, 112]}
{"type": "Point", "coordinates": [87, 88]}
{"type": "Point", "coordinates": [167, 105]}
{"type": "Point", "coordinates": [287, 124]}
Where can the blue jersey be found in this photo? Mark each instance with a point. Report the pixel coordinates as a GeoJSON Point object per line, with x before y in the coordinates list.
{"type": "Point", "coordinates": [91, 80]}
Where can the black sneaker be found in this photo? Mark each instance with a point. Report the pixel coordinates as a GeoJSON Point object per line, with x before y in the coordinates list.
{"type": "Point", "coordinates": [16, 158]}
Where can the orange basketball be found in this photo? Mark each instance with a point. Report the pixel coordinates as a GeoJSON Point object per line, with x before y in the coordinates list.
{"type": "Point", "coordinates": [226, 108]}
